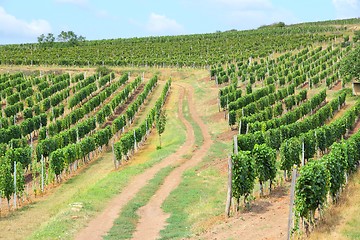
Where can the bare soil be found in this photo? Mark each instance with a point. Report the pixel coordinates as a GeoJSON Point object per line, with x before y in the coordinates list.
{"type": "Point", "coordinates": [152, 217]}
{"type": "Point", "coordinates": [267, 219]}
{"type": "Point", "coordinates": [337, 86]}
{"type": "Point", "coordinates": [120, 110]}
{"type": "Point", "coordinates": [100, 225]}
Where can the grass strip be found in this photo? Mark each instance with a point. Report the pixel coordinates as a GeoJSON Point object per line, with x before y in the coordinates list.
{"type": "Point", "coordinates": [199, 139]}
{"type": "Point", "coordinates": [199, 198]}
{"type": "Point", "coordinates": [125, 225]}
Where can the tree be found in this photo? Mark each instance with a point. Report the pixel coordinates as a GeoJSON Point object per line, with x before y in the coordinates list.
{"type": "Point", "coordinates": [63, 36]}
{"type": "Point", "coordinates": [70, 37]}
{"type": "Point", "coordinates": [47, 40]}
{"type": "Point", "coordinates": [273, 25]}
{"type": "Point", "coordinates": [41, 39]}
{"type": "Point", "coordinates": [50, 39]}
{"type": "Point", "coordinates": [160, 124]}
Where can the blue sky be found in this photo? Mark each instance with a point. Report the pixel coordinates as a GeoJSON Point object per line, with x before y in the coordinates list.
{"type": "Point", "coordinates": [22, 21]}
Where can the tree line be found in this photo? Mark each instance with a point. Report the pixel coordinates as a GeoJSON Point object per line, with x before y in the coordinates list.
{"type": "Point", "coordinates": [69, 37]}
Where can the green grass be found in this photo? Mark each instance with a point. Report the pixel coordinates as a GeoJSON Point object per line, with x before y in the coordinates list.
{"type": "Point", "coordinates": [94, 200]}
{"type": "Point", "coordinates": [197, 131]}
{"type": "Point", "coordinates": [125, 225]}
{"type": "Point", "coordinates": [64, 222]}
{"type": "Point", "coordinates": [203, 96]}
{"type": "Point", "coordinates": [352, 230]}
{"type": "Point", "coordinates": [200, 196]}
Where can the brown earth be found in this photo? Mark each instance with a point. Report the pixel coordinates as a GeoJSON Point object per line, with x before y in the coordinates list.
{"type": "Point", "coordinates": [337, 86]}
{"type": "Point", "coordinates": [267, 219]}
{"type": "Point", "coordinates": [100, 225]}
{"type": "Point", "coordinates": [152, 217]}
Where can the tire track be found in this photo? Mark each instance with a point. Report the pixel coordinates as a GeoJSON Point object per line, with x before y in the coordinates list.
{"type": "Point", "coordinates": [100, 225]}
{"type": "Point", "coordinates": [152, 217]}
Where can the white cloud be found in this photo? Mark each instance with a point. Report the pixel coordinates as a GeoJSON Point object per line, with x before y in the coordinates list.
{"type": "Point", "coordinates": [160, 24]}
{"type": "Point", "coordinates": [347, 8]}
{"type": "Point", "coordinates": [13, 27]}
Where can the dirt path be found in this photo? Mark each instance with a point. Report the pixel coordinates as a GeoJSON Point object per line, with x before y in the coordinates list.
{"type": "Point", "coordinates": [100, 225]}
{"type": "Point", "coordinates": [152, 217]}
{"type": "Point", "coordinates": [267, 219]}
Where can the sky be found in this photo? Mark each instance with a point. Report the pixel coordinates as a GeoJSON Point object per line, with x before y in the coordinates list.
{"type": "Point", "coordinates": [22, 21]}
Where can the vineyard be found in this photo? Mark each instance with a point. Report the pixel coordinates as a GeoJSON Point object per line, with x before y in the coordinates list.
{"type": "Point", "coordinates": [59, 143]}
{"type": "Point", "coordinates": [239, 115]}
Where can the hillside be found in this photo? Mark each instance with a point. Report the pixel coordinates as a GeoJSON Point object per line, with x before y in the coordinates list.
{"type": "Point", "coordinates": [82, 158]}
{"type": "Point", "coordinates": [197, 50]}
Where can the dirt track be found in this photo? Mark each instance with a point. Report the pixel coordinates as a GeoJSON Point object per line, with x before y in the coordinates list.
{"type": "Point", "coordinates": [102, 224]}
{"type": "Point", "coordinates": [269, 214]}
{"type": "Point", "coordinates": [152, 217]}
{"type": "Point", "coordinates": [267, 219]}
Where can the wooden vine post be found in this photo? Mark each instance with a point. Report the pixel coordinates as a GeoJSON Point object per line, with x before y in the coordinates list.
{"type": "Point", "coordinates": [292, 194]}
{"type": "Point", "coordinates": [236, 148]}
{"type": "Point", "coordinates": [230, 167]}
{"type": "Point", "coordinates": [135, 145]}
{"type": "Point", "coordinates": [42, 173]}
{"type": "Point", "coordinates": [114, 157]}
{"type": "Point", "coordinates": [14, 184]}
{"type": "Point", "coordinates": [303, 154]}
{"type": "Point", "coordinates": [240, 127]}
{"type": "Point", "coordinates": [218, 102]}
{"type": "Point", "coordinates": [229, 191]}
